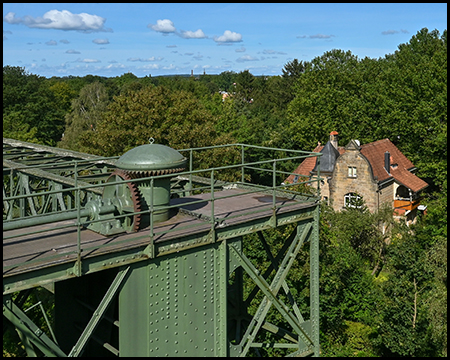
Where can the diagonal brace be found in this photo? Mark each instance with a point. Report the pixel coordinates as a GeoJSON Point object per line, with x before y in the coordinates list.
{"type": "Point", "coordinates": [29, 330]}
{"type": "Point", "coordinates": [284, 284]}
{"type": "Point", "coordinates": [281, 274]}
{"type": "Point", "coordinates": [98, 313]}
{"type": "Point", "coordinates": [271, 292]}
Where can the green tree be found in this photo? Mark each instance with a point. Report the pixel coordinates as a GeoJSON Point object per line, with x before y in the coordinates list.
{"type": "Point", "coordinates": [347, 291]}
{"type": "Point", "coordinates": [414, 88]}
{"type": "Point", "coordinates": [403, 327]}
{"type": "Point", "coordinates": [29, 111]}
{"type": "Point", "coordinates": [226, 80]}
{"type": "Point", "coordinates": [173, 118]}
{"type": "Point", "coordinates": [326, 99]}
{"type": "Point", "coordinates": [293, 69]}
{"type": "Point", "coordinates": [244, 85]}
{"type": "Point", "coordinates": [87, 111]}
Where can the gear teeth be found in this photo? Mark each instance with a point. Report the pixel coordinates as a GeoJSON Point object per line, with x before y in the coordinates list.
{"type": "Point", "coordinates": [135, 195]}
{"type": "Point", "coordinates": [135, 174]}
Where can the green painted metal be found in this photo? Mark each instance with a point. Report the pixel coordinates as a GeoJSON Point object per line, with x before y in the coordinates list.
{"type": "Point", "coordinates": [151, 157]}
{"type": "Point", "coordinates": [29, 330]}
{"type": "Point", "coordinates": [186, 292]}
{"type": "Point", "coordinates": [171, 307]}
{"type": "Point", "coordinates": [270, 292]}
{"type": "Point", "coordinates": [78, 348]}
{"type": "Point", "coordinates": [155, 193]}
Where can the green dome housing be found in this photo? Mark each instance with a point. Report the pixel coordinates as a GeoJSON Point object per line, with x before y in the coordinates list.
{"type": "Point", "coordinates": [151, 157]}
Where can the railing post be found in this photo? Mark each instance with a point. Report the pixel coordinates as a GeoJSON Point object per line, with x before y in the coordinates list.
{"type": "Point", "coordinates": [78, 205]}
{"type": "Point", "coordinates": [22, 211]}
{"type": "Point", "coordinates": [213, 236]}
{"type": "Point", "coordinates": [274, 185]}
{"type": "Point", "coordinates": [152, 248]}
{"type": "Point", "coordinates": [242, 162]}
{"type": "Point", "coordinates": [318, 177]}
{"type": "Point", "coordinates": [190, 171]}
{"type": "Point", "coordinates": [11, 186]}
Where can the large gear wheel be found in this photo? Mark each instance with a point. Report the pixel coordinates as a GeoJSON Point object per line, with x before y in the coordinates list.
{"type": "Point", "coordinates": [126, 197]}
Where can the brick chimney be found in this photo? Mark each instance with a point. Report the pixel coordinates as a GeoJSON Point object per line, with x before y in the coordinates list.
{"type": "Point", "coordinates": [334, 139]}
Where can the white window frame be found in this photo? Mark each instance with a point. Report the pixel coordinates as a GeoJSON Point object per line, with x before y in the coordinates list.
{"type": "Point", "coordinates": [348, 197]}
{"type": "Point", "coordinates": [352, 172]}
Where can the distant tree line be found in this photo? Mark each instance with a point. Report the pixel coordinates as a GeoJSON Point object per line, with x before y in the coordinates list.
{"type": "Point", "coordinates": [381, 294]}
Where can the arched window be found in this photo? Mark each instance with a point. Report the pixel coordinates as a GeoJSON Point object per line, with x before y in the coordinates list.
{"type": "Point", "coordinates": [352, 200]}
{"type": "Point", "coordinates": [402, 193]}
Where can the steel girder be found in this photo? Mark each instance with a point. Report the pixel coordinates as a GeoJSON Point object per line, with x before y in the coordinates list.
{"type": "Point", "coordinates": [303, 337]}
{"type": "Point", "coordinates": [236, 332]}
{"type": "Point", "coordinates": [224, 270]}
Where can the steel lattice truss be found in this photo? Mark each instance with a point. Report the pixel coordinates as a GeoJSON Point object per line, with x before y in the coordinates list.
{"type": "Point", "coordinates": [182, 287]}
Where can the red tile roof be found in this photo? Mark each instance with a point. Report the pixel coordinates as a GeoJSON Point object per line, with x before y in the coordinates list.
{"type": "Point", "coordinates": [374, 152]}
{"type": "Point", "coordinates": [408, 179]}
{"type": "Point", "coordinates": [308, 164]}
{"type": "Point", "coordinates": [305, 166]}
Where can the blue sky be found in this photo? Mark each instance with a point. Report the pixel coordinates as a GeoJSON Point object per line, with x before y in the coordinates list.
{"type": "Point", "coordinates": [111, 39]}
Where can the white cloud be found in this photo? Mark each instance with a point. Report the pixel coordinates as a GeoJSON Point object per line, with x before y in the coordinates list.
{"type": "Point", "coordinates": [317, 36]}
{"type": "Point", "coordinates": [392, 32]}
{"type": "Point", "coordinates": [241, 49]}
{"type": "Point", "coordinates": [115, 66]}
{"type": "Point", "coordinates": [51, 43]}
{"type": "Point", "coordinates": [88, 61]}
{"type": "Point", "coordinates": [320, 36]}
{"type": "Point", "coordinates": [273, 52]}
{"type": "Point", "coordinates": [100, 41]}
{"type": "Point", "coordinates": [60, 20]}
{"type": "Point", "coordinates": [228, 36]}
{"type": "Point", "coordinates": [199, 34]}
{"type": "Point", "coordinates": [170, 67]}
{"type": "Point", "coordinates": [389, 32]}
{"type": "Point", "coordinates": [64, 41]}
{"type": "Point", "coordinates": [247, 58]}
{"type": "Point", "coordinates": [72, 52]}
{"type": "Point", "coordinates": [164, 26]}
{"type": "Point", "coordinates": [150, 67]}
{"type": "Point", "coordinates": [6, 32]}
{"type": "Point", "coordinates": [146, 60]}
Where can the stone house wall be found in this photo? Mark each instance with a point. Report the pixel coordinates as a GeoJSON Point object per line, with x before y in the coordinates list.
{"type": "Point", "coordinates": [363, 184]}
{"type": "Point", "coordinates": [386, 194]}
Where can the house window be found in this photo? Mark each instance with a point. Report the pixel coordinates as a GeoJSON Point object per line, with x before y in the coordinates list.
{"type": "Point", "coordinates": [295, 179]}
{"type": "Point", "coordinates": [352, 200]}
{"type": "Point", "coordinates": [352, 171]}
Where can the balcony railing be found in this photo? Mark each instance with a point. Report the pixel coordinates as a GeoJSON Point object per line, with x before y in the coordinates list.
{"type": "Point", "coordinates": [406, 204]}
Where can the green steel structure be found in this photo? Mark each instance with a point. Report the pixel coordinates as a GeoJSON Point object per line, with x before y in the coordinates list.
{"type": "Point", "coordinates": [150, 253]}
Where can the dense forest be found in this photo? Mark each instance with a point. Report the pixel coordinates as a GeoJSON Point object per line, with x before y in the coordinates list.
{"type": "Point", "coordinates": [381, 293]}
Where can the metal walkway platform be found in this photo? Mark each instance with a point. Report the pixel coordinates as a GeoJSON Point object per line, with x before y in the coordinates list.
{"type": "Point", "coordinates": [181, 286]}
{"type": "Point", "coordinates": [49, 245]}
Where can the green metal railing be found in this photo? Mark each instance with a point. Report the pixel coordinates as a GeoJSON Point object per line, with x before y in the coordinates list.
{"type": "Point", "coordinates": [195, 181]}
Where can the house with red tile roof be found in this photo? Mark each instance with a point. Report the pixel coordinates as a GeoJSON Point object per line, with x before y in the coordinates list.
{"type": "Point", "coordinates": [377, 172]}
